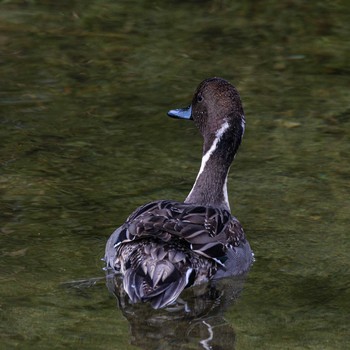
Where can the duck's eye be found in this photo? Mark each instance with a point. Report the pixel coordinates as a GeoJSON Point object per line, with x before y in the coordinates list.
{"type": "Point", "coordinates": [200, 98]}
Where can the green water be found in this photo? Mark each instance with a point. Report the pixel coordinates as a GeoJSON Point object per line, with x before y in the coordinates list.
{"type": "Point", "coordinates": [84, 91]}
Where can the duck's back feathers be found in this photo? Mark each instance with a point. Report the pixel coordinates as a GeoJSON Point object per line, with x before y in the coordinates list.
{"type": "Point", "coordinates": [166, 246]}
{"type": "Point", "coordinates": [208, 231]}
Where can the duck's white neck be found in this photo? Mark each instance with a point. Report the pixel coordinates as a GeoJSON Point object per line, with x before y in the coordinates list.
{"type": "Point", "coordinates": [210, 187]}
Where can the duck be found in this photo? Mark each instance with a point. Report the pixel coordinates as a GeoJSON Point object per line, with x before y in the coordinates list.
{"type": "Point", "coordinates": [166, 246]}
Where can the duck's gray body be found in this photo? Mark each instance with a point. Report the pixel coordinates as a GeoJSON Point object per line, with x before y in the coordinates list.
{"type": "Point", "coordinates": [166, 246]}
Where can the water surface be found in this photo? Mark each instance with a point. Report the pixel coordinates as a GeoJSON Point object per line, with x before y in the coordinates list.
{"type": "Point", "coordinates": [85, 87]}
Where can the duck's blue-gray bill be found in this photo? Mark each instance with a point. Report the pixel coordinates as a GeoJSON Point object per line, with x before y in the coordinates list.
{"type": "Point", "coordinates": [181, 113]}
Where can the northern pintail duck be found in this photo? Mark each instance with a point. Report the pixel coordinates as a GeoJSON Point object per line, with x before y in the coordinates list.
{"type": "Point", "coordinates": [166, 246]}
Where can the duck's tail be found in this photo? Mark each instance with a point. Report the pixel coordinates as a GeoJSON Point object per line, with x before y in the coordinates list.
{"type": "Point", "coordinates": [157, 271]}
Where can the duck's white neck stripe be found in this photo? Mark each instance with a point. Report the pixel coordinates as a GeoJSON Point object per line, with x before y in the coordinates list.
{"type": "Point", "coordinates": [243, 124]}
{"type": "Point", "coordinates": [212, 148]}
{"type": "Point", "coordinates": [207, 156]}
{"type": "Point", "coordinates": [226, 194]}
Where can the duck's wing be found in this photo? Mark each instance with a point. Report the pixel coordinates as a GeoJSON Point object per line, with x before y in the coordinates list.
{"type": "Point", "coordinates": [208, 231]}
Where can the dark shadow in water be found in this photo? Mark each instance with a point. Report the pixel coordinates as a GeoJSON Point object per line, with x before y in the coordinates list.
{"type": "Point", "coordinates": [195, 318]}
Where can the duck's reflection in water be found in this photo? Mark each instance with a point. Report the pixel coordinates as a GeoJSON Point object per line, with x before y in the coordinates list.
{"type": "Point", "coordinates": [195, 321]}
